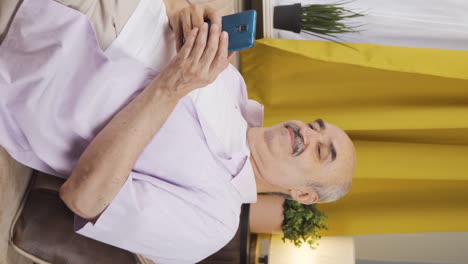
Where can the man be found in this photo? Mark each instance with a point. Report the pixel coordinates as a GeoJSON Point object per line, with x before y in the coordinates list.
{"type": "Point", "coordinates": [153, 164]}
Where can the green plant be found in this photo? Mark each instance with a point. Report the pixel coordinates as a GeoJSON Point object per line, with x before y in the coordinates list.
{"type": "Point", "coordinates": [326, 20]}
{"type": "Point", "coordinates": [302, 223]}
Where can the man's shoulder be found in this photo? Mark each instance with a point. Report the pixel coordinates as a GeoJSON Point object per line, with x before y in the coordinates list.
{"type": "Point", "coordinates": [203, 190]}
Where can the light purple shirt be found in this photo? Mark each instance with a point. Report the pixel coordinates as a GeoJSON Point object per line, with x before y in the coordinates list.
{"type": "Point", "coordinates": [181, 202]}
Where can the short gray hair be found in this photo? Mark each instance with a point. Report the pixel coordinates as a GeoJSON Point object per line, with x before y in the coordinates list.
{"type": "Point", "coordinates": [331, 192]}
{"type": "Point", "coordinates": [326, 193]}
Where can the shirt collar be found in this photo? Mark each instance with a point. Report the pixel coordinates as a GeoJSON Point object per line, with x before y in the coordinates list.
{"type": "Point", "coordinates": [244, 181]}
{"type": "Point", "coordinates": [245, 184]}
{"type": "Point", "coordinates": [253, 113]}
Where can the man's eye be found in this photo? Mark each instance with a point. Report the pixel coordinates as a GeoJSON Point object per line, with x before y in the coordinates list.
{"type": "Point", "coordinates": [311, 126]}
{"type": "Point", "coordinates": [319, 151]}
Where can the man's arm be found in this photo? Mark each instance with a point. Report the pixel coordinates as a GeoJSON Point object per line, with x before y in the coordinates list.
{"type": "Point", "coordinates": [107, 161]}
{"type": "Point", "coordinates": [266, 215]}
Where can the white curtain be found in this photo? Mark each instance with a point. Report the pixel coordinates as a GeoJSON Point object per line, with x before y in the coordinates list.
{"type": "Point", "coordinates": [410, 23]}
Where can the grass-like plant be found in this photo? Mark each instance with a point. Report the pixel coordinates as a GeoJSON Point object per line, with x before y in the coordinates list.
{"type": "Point", "coordinates": [326, 20]}
{"type": "Point", "coordinates": [302, 223]}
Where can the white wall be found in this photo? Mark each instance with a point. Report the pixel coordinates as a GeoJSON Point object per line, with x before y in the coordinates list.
{"type": "Point", "coordinates": [418, 247]}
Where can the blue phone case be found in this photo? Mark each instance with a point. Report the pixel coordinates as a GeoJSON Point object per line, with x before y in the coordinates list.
{"type": "Point", "coordinates": [241, 29]}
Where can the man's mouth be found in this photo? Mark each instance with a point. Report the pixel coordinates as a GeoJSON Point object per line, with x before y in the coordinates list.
{"type": "Point", "coordinates": [297, 142]}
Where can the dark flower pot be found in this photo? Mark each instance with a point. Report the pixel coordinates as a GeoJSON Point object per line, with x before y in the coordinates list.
{"type": "Point", "coordinates": [288, 17]}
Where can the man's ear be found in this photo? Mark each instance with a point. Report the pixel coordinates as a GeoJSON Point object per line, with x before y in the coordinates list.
{"type": "Point", "coordinates": [309, 196]}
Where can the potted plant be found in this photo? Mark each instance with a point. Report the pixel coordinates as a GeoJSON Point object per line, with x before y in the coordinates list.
{"type": "Point", "coordinates": [320, 20]}
{"type": "Point", "coordinates": [302, 223]}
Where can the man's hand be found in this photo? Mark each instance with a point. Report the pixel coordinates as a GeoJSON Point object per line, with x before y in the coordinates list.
{"type": "Point", "coordinates": [183, 21]}
{"type": "Point", "coordinates": [199, 61]}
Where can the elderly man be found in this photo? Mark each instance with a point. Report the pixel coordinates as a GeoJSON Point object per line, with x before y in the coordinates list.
{"type": "Point", "coordinates": [153, 164]}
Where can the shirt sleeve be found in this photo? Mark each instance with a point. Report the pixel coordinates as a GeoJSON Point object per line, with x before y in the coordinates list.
{"type": "Point", "coordinates": [160, 222]}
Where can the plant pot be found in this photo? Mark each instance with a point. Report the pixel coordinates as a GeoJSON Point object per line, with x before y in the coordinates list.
{"type": "Point", "coordinates": [288, 17]}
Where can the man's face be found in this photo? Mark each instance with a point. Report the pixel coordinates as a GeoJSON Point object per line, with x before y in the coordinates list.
{"type": "Point", "coordinates": [292, 154]}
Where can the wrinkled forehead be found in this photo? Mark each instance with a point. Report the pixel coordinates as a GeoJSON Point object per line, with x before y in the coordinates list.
{"type": "Point", "coordinates": [344, 165]}
{"type": "Point", "coordinates": [338, 136]}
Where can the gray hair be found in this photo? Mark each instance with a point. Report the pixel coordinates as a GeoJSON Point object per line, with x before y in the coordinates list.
{"type": "Point", "coordinates": [331, 192]}
{"type": "Point", "coordinates": [326, 193]}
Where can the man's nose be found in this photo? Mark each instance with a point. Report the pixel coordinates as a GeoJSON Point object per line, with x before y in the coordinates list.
{"type": "Point", "coordinates": [309, 135]}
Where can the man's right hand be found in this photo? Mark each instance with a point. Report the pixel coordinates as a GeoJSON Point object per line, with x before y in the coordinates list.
{"type": "Point", "coordinates": [199, 62]}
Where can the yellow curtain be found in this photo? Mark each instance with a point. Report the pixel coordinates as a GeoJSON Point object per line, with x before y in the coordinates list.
{"type": "Point", "coordinates": [405, 108]}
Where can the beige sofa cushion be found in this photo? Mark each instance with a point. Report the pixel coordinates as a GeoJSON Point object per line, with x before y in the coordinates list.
{"type": "Point", "coordinates": [14, 179]}
{"type": "Point", "coordinates": [108, 17]}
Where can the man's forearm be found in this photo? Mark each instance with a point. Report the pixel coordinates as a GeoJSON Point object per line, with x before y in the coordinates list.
{"type": "Point", "coordinates": [107, 161]}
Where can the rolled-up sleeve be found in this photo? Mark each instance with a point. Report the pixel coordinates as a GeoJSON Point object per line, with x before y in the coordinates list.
{"type": "Point", "coordinates": [160, 222]}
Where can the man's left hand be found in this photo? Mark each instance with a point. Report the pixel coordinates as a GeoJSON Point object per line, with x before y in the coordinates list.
{"type": "Point", "coordinates": [189, 17]}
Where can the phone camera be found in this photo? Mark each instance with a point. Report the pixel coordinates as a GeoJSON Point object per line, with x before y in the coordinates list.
{"type": "Point", "coordinates": [241, 28]}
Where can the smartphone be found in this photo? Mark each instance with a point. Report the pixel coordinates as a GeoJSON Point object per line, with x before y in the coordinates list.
{"type": "Point", "coordinates": [241, 29]}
